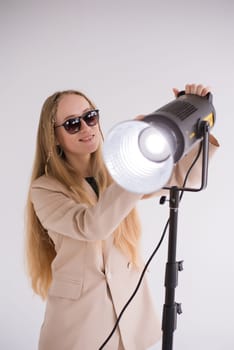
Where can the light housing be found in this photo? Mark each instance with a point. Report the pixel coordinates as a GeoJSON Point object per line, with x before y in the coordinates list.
{"type": "Point", "coordinates": [140, 155]}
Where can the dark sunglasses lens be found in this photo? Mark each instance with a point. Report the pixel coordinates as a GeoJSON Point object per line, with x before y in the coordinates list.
{"type": "Point", "coordinates": [91, 118]}
{"type": "Point", "coordinates": [72, 125]}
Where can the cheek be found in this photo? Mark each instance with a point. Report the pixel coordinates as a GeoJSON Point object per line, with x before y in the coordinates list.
{"type": "Point", "coordinates": [58, 137]}
{"type": "Point", "coordinates": [62, 139]}
{"type": "Point", "coordinates": [98, 137]}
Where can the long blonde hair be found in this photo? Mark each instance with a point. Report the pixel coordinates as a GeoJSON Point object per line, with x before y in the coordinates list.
{"type": "Point", "coordinates": [39, 247]}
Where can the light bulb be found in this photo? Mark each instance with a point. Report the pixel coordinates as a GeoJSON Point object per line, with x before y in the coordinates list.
{"type": "Point", "coordinates": [154, 145]}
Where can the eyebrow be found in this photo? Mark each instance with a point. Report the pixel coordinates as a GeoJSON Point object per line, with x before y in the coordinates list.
{"type": "Point", "coordinates": [77, 116]}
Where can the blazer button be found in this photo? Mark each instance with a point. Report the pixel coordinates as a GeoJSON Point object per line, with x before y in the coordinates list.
{"type": "Point", "coordinates": [129, 265]}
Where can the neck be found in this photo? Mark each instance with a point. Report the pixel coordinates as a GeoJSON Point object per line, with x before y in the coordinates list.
{"type": "Point", "coordinates": [81, 164]}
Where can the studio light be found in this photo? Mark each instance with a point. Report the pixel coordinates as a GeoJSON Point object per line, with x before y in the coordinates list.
{"type": "Point", "coordinates": [140, 155]}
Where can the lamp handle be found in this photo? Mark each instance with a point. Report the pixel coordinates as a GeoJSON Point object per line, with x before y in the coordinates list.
{"type": "Point", "coordinates": [208, 96]}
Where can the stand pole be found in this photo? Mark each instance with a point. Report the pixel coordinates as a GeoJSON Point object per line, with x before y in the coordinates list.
{"type": "Point", "coordinates": [171, 308]}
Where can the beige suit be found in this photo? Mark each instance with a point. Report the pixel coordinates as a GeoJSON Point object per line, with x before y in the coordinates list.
{"type": "Point", "coordinates": [92, 279]}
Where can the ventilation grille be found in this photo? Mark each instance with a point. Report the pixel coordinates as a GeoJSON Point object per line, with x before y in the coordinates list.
{"type": "Point", "coordinates": [179, 108]}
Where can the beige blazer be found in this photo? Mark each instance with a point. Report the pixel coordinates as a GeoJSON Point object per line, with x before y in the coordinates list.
{"type": "Point", "coordinates": [92, 279]}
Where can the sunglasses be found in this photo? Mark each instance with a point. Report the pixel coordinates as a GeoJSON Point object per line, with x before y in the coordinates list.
{"type": "Point", "coordinates": [73, 125]}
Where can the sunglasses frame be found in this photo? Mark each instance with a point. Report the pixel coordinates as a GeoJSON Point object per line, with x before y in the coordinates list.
{"type": "Point", "coordinates": [77, 121]}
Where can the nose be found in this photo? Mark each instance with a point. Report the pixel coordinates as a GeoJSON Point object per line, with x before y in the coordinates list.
{"type": "Point", "coordinates": [83, 125]}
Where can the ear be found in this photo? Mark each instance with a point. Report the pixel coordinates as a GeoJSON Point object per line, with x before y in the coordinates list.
{"type": "Point", "coordinates": [59, 151]}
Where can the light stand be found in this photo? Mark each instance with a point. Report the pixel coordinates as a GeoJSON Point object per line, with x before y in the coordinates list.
{"type": "Point", "coordinates": [171, 308]}
{"type": "Point", "coordinates": [140, 156]}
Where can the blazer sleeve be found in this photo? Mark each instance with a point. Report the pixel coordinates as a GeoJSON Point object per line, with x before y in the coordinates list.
{"type": "Point", "coordinates": [184, 164]}
{"type": "Point", "coordinates": [59, 213]}
{"type": "Point", "coordinates": [181, 168]}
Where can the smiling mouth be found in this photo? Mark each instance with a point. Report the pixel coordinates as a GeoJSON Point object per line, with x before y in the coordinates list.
{"type": "Point", "coordinates": [87, 139]}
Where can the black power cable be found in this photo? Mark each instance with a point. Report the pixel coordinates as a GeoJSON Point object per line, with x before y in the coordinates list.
{"type": "Point", "coordinates": [152, 255]}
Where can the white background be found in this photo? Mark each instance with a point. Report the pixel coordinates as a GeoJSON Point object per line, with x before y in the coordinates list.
{"type": "Point", "coordinates": [127, 56]}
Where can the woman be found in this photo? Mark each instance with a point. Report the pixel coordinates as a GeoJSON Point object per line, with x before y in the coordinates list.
{"type": "Point", "coordinates": [83, 234]}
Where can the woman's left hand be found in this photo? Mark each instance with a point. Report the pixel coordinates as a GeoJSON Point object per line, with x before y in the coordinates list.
{"type": "Point", "coordinates": [196, 89]}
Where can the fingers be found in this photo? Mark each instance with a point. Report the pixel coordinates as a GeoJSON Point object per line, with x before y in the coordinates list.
{"type": "Point", "coordinates": [199, 89]}
{"type": "Point", "coordinates": [205, 90]}
{"type": "Point", "coordinates": [176, 91]}
{"type": "Point", "coordinates": [139, 117]}
{"type": "Point", "coordinates": [195, 89]}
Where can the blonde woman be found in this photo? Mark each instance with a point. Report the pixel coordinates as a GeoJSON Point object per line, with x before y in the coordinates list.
{"type": "Point", "coordinates": [83, 235]}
